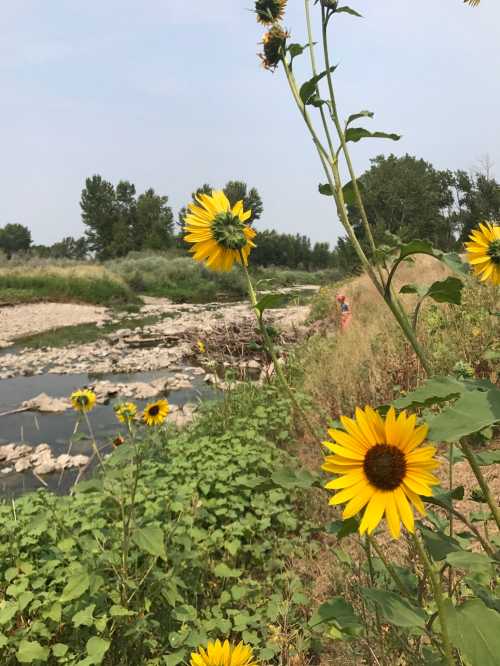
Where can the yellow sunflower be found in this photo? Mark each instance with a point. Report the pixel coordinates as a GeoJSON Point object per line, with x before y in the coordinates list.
{"type": "Point", "coordinates": [218, 232]}
{"type": "Point", "coordinates": [483, 252]}
{"type": "Point", "coordinates": [223, 654]}
{"type": "Point", "coordinates": [201, 346]}
{"type": "Point", "coordinates": [125, 413]}
{"type": "Point", "coordinates": [382, 466]}
{"type": "Point", "coordinates": [83, 400]}
{"type": "Point", "coordinates": [156, 412]}
{"type": "Point", "coordinates": [269, 11]}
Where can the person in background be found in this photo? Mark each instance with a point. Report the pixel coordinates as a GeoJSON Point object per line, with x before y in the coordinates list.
{"type": "Point", "coordinates": [345, 312]}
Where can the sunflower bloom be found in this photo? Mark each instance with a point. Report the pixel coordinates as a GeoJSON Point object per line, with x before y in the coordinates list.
{"type": "Point", "coordinates": [269, 11]}
{"type": "Point", "coordinates": [126, 412]}
{"type": "Point", "coordinates": [201, 346]}
{"type": "Point", "coordinates": [155, 413]}
{"type": "Point", "coordinates": [83, 400]}
{"type": "Point", "coordinates": [218, 232]}
{"type": "Point", "coordinates": [382, 466]}
{"type": "Point", "coordinates": [223, 654]}
{"type": "Point", "coordinates": [483, 252]}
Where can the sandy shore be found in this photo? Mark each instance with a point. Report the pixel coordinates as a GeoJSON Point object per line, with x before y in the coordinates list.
{"type": "Point", "coordinates": [20, 320]}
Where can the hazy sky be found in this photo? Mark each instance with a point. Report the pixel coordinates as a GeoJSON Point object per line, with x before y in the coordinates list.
{"type": "Point", "coordinates": [170, 94]}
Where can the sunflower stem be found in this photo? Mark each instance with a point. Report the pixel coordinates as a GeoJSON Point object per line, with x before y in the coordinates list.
{"type": "Point", "coordinates": [471, 458]}
{"type": "Point", "coordinates": [438, 598]}
{"type": "Point", "coordinates": [390, 569]}
{"type": "Point", "coordinates": [368, 550]}
{"type": "Point", "coordinates": [93, 439]}
{"type": "Point", "coordinates": [272, 353]}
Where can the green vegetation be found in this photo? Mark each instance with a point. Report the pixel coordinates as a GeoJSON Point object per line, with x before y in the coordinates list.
{"type": "Point", "coordinates": [217, 519]}
{"type": "Point", "coordinates": [78, 283]}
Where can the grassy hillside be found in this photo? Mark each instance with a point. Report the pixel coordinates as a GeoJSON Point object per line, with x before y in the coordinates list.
{"type": "Point", "coordinates": [65, 282]}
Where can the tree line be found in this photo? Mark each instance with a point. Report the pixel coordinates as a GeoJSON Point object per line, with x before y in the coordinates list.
{"type": "Point", "coordinates": [404, 195]}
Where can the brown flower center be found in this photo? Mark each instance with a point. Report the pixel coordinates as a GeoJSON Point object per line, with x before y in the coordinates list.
{"type": "Point", "coordinates": [154, 410]}
{"type": "Point", "coordinates": [385, 466]}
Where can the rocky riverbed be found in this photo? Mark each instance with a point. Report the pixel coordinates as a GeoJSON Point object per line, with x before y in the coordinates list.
{"type": "Point", "coordinates": [189, 353]}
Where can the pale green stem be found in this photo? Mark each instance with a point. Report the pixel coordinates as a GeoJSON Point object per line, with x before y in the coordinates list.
{"type": "Point", "coordinates": [93, 439]}
{"type": "Point", "coordinates": [390, 569]}
{"type": "Point", "coordinates": [469, 454]}
{"type": "Point", "coordinates": [272, 353]}
{"type": "Point", "coordinates": [438, 598]}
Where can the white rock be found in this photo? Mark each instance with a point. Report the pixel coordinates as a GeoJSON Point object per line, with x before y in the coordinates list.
{"type": "Point", "coordinates": [45, 403]}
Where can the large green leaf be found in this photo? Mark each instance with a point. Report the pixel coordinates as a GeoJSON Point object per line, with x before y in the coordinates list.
{"type": "Point", "coordinates": [77, 585]}
{"type": "Point", "coordinates": [151, 540]}
{"type": "Point", "coordinates": [438, 544]}
{"type": "Point", "coordinates": [361, 114]}
{"type": "Point", "coordinates": [308, 89]}
{"type": "Point", "coordinates": [30, 651]}
{"type": "Point", "coordinates": [395, 609]}
{"type": "Point", "coordinates": [97, 648]}
{"type": "Point", "coordinates": [473, 562]}
{"type": "Point", "coordinates": [325, 189]}
{"type": "Point", "coordinates": [341, 613]}
{"type": "Point", "coordinates": [270, 301]}
{"type": "Point", "coordinates": [343, 528]}
{"type": "Point", "coordinates": [472, 412]}
{"type": "Point", "coordinates": [474, 629]}
{"type": "Point", "coordinates": [433, 391]}
{"type": "Point", "coordinates": [291, 478]}
{"type": "Point", "coordinates": [355, 134]}
{"type": "Point", "coordinates": [349, 193]}
{"type": "Point", "coordinates": [348, 10]}
{"type": "Point", "coordinates": [447, 291]}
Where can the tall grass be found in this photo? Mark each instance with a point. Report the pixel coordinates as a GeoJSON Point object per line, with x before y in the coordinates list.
{"type": "Point", "coordinates": [371, 362]}
{"type": "Point", "coordinates": [80, 283]}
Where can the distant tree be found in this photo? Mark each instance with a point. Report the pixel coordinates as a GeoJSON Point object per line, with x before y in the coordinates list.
{"type": "Point", "coordinates": [154, 221]}
{"type": "Point", "coordinates": [99, 214]}
{"type": "Point", "coordinates": [236, 190]}
{"type": "Point", "coordinates": [287, 250]}
{"type": "Point", "coordinates": [408, 197]}
{"type": "Point", "coordinates": [477, 199]}
{"type": "Point", "coordinates": [14, 238]}
{"type": "Point", "coordinates": [117, 221]}
{"type": "Point", "coordinates": [69, 248]}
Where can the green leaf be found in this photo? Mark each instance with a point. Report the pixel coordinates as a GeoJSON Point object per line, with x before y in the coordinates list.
{"type": "Point", "coordinates": [488, 458]}
{"type": "Point", "coordinates": [473, 562]}
{"type": "Point", "coordinates": [30, 651]}
{"type": "Point", "coordinates": [290, 478]}
{"type": "Point", "coordinates": [447, 291]}
{"type": "Point", "coordinates": [97, 648]}
{"type": "Point", "coordinates": [341, 613]}
{"type": "Point", "coordinates": [453, 261]}
{"type": "Point", "coordinates": [223, 571]}
{"type": "Point", "coordinates": [395, 609]}
{"type": "Point", "coordinates": [417, 246]}
{"type": "Point", "coordinates": [446, 498]}
{"type": "Point", "coordinates": [349, 193]}
{"type": "Point", "coordinates": [84, 617]}
{"type": "Point", "coordinates": [270, 301]}
{"type": "Point", "coordinates": [472, 412]}
{"type": "Point", "coordinates": [433, 391]}
{"type": "Point", "coordinates": [296, 49]}
{"type": "Point", "coordinates": [343, 528]}
{"type": "Point", "coordinates": [308, 89]}
{"type": "Point", "coordinates": [120, 611]}
{"type": "Point", "coordinates": [438, 544]}
{"type": "Point", "coordinates": [361, 114]}
{"type": "Point", "coordinates": [7, 612]}
{"type": "Point", "coordinates": [474, 629]}
{"type": "Point", "coordinates": [175, 658]}
{"type": "Point", "coordinates": [59, 649]}
{"type": "Point", "coordinates": [355, 134]}
{"type": "Point", "coordinates": [77, 585]}
{"type": "Point", "coordinates": [412, 288]}
{"type": "Point", "coordinates": [348, 10]}
{"type": "Point", "coordinates": [326, 190]}
{"type": "Point", "coordinates": [150, 540]}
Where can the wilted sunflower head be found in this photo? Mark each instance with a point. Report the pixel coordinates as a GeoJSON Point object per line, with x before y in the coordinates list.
{"type": "Point", "coordinates": [483, 252]}
{"type": "Point", "coordinates": [274, 45]}
{"type": "Point", "coordinates": [270, 11]}
{"type": "Point", "coordinates": [223, 654]}
{"type": "Point", "coordinates": [83, 400]}
{"type": "Point", "coordinates": [218, 231]}
{"type": "Point", "coordinates": [155, 413]}
{"type": "Point", "coordinates": [126, 412]}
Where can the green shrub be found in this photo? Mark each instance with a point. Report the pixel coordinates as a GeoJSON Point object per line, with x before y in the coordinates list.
{"type": "Point", "coordinates": [215, 524]}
